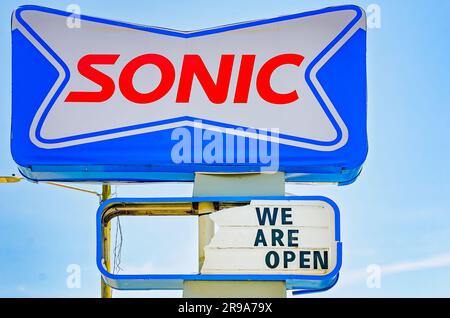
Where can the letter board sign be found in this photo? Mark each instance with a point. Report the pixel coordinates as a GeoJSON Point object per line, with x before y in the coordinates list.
{"type": "Point", "coordinates": [293, 239]}
{"type": "Point", "coordinates": [273, 237]}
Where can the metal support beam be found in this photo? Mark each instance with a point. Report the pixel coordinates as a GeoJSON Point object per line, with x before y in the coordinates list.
{"type": "Point", "coordinates": [232, 289]}
{"type": "Point", "coordinates": [205, 230]}
{"type": "Point", "coordinates": [208, 185]}
{"type": "Point", "coordinates": [106, 291]}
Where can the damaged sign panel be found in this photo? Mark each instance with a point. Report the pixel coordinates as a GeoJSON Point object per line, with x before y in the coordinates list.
{"type": "Point", "coordinates": [274, 237]}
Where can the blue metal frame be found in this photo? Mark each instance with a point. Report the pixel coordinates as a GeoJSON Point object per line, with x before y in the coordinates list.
{"type": "Point", "coordinates": [175, 281]}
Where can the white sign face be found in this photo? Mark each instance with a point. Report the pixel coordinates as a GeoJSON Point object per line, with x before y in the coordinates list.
{"type": "Point", "coordinates": [273, 237]}
{"type": "Point", "coordinates": [117, 80]}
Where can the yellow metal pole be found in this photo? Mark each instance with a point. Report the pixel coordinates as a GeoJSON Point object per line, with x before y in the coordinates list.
{"type": "Point", "coordinates": [105, 289]}
{"type": "Point", "coordinates": [9, 179]}
{"type": "Point", "coordinates": [205, 230]}
{"type": "Point", "coordinates": [73, 188]}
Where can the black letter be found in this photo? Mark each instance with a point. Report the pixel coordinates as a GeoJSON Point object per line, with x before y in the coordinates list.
{"type": "Point", "coordinates": [276, 259]}
{"type": "Point", "coordinates": [266, 214]}
{"type": "Point", "coordinates": [304, 262]}
{"type": "Point", "coordinates": [289, 256]}
{"type": "Point", "coordinates": [318, 258]}
{"type": "Point", "coordinates": [292, 240]}
{"type": "Point", "coordinates": [260, 238]}
{"type": "Point", "coordinates": [285, 216]}
{"type": "Point", "coordinates": [277, 235]}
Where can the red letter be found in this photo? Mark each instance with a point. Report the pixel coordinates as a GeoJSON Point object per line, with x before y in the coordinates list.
{"type": "Point", "coordinates": [264, 75]}
{"type": "Point", "coordinates": [193, 65]}
{"type": "Point", "coordinates": [126, 78]}
{"type": "Point", "coordinates": [107, 84]}
{"type": "Point", "coordinates": [244, 79]}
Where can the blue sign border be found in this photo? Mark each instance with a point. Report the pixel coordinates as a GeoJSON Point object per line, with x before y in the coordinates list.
{"type": "Point", "coordinates": [175, 281]}
{"type": "Point", "coordinates": [188, 35]}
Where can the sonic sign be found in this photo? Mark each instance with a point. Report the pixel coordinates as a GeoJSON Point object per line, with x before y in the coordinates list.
{"type": "Point", "coordinates": [122, 102]}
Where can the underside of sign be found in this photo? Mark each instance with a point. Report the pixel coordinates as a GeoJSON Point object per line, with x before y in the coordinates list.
{"type": "Point", "coordinates": [290, 239]}
{"type": "Point", "coordinates": [95, 103]}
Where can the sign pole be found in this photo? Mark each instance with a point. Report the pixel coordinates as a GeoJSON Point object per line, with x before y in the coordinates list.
{"type": "Point", "coordinates": [231, 185]}
{"type": "Point", "coordinates": [106, 291]}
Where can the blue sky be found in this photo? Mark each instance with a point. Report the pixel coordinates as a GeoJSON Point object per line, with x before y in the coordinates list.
{"type": "Point", "coordinates": [397, 215]}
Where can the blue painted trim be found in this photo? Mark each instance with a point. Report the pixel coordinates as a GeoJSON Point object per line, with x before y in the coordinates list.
{"type": "Point", "coordinates": [97, 173]}
{"type": "Point", "coordinates": [56, 57]}
{"type": "Point", "coordinates": [314, 291]}
{"type": "Point", "coordinates": [205, 277]}
{"type": "Point", "coordinates": [187, 35]}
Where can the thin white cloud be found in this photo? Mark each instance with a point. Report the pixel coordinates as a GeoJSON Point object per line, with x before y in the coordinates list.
{"type": "Point", "coordinates": [442, 260]}
{"type": "Point", "coordinates": [358, 276]}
